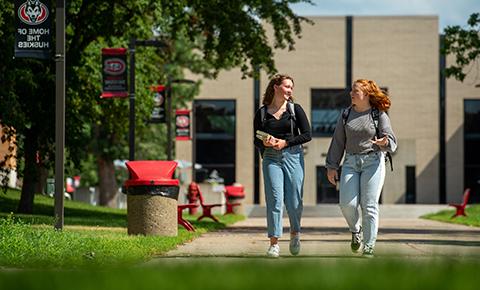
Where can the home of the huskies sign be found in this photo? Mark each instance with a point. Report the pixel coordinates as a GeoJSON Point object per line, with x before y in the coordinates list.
{"type": "Point", "coordinates": [33, 34]}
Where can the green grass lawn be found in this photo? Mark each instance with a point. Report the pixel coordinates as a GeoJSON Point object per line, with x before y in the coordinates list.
{"type": "Point", "coordinates": [472, 218]}
{"type": "Point", "coordinates": [92, 236]}
{"type": "Point", "coordinates": [262, 274]}
{"type": "Point", "coordinates": [94, 252]}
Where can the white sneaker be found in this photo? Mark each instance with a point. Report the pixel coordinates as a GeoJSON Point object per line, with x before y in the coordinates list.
{"type": "Point", "coordinates": [356, 244]}
{"type": "Point", "coordinates": [368, 251]}
{"type": "Point", "coordinates": [273, 251]}
{"type": "Point", "coordinates": [295, 244]}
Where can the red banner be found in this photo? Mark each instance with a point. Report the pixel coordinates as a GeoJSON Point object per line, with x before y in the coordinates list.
{"type": "Point", "coordinates": [114, 71]}
{"type": "Point", "coordinates": [182, 124]}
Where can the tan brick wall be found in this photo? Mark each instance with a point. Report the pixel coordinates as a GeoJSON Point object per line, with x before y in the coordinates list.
{"type": "Point", "coordinates": [456, 93]}
{"type": "Point", "coordinates": [400, 53]}
{"type": "Point", "coordinates": [12, 163]}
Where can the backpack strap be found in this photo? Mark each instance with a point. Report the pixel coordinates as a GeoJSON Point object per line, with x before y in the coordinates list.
{"type": "Point", "coordinates": [375, 116]}
{"type": "Point", "coordinates": [345, 114]}
{"type": "Point", "coordinates": [291, 110]}
{"type": "Point", "coordinates": [375, 113]}
{"type": "Point", "coordinates": [263, 112]}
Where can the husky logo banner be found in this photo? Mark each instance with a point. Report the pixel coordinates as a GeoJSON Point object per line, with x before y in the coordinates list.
{"type": "Point", "coordinates": [114, 71]}
{"type": "Point", "coordinates": [33, 33]}
{"type": "Point", "coordinates": [182, 124]}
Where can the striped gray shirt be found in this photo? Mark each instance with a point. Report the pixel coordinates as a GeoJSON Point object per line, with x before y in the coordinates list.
{"type": "Point", "coordinates": [355, 137]}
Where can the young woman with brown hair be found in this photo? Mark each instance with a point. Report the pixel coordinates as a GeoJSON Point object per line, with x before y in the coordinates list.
{"type": "Point", "coordinates": [288, 128]}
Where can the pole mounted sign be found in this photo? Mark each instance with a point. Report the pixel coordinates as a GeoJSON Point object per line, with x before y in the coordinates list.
{"type": "Point", "coordinates": [158, 112]}
{"type": "Point", "coordinates": [114, 71]}
{"type": "Point", "coordinates": [33, 36]}
{"type": "Point", "coordinates": [182, 124]}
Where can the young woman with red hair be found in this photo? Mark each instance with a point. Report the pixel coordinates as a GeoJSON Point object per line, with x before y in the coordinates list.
{"type": "Point", "coordinates": [363, 169]}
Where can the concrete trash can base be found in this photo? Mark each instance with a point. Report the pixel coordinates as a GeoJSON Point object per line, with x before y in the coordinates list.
{"type": "Point", "coordinates": [152, 198]}
{"type": "Point", "coordinates": [151, 215]}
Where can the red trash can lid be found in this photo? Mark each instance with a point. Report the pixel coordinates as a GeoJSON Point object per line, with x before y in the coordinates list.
{"type": "Point", "coordinates": [151, 172]}
{"type": "Point", "coordinates": [234, 190]}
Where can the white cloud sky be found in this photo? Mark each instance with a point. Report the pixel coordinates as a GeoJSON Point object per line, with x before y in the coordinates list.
{"type": "Point", "coordinates": [450, 12]}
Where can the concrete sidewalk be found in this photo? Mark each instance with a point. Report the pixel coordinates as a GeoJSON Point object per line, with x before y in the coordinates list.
{"type": "Point", "coordinates": [401, 234]}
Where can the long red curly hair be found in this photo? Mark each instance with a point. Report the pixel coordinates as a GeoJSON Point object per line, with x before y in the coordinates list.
{"type": "Point", "coordinates": [378, 98]}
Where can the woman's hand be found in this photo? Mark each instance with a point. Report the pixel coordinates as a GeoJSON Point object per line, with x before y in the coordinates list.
{"type": "Point", "coordinates": [270, 141]}
{"type": "Point", "coordinates": [380, 142]}
{"type": "Point", "coordinates": [280, 144]}
{"type": "Point", "coordinates": [332, 176]}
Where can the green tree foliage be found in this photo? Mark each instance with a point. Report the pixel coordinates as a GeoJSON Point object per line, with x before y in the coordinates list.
{"type": "Point", "coordinates": [201, 36]}
{"type": "Point", "coordinates": [464, 44]}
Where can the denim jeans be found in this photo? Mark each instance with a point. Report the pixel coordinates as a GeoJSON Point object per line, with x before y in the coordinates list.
{"type": "Point", "coordinates": [361, 183]}
{"type": "Point", "coordinates": [283, 175]}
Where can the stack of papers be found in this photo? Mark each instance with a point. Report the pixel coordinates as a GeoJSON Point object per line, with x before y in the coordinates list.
{"type": "Point", "coordinates": [262, 135]}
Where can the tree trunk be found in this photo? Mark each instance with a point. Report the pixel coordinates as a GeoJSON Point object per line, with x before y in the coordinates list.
{"type": "Point", "coordinates": [41, 184]}
{"type": "Point", "coordinates": [30, 174]}
{"type": "Point", "coordinates": [108, 185]}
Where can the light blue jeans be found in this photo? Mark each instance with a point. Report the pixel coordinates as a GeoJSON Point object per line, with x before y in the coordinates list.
{"type": "Point", "coordinates": [361, 183]}
{"type": "Point", "coordinates": [283, 175]}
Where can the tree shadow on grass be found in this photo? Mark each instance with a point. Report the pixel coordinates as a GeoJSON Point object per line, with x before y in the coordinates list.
{"type": "Point", "coordinates": [74, 213]}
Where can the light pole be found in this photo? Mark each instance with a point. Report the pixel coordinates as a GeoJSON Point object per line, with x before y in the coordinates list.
{"type": "Point", "coordinates": [59, 113]}
{"type": "Point", "coordinates": [131, 134]}
{"type": "Point", "coordinates": [133, 43]}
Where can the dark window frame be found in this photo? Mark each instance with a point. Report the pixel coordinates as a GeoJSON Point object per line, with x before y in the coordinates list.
{"type": "Point", "coordinates": [333, 105]}
{"type": "Point", "coordinates": [471, 141]}
{"type": "Point", "coordinates": [205, 136]}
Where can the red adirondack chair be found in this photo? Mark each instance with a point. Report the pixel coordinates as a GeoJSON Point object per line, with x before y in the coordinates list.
{"type": "Point", "coordinates": [460, 208]}
{"type": "Point", "coordinates": [206, 208]}
{"type": "Point", "coordinates": [233, 192]}
{"type": "Point", "coordinates": [181, 221]}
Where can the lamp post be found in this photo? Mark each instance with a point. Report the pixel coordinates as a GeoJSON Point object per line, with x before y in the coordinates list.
{"type": "Point", "coordinates": [59, 113]}
{"type": "Point", "coordinates": [160, 44]}
{"type": "Point", "coordinates": [133, 43]}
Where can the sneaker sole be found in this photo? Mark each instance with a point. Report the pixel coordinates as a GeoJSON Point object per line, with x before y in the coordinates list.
{"type": "Point", "coordinates": [295, 253]}
{"type": "Point", "coordinates": [357, 250]}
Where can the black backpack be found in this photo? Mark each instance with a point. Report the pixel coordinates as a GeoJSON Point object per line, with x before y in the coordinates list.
{"type": "Point", "coordinates": [375, 113]}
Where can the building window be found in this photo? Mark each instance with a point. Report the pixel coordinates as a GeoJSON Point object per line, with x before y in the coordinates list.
{"type": "Point", "coordinates": [327, 105]}
{"type": "Point", "coordinates": [215, 139]}
{"type": "Point", "coordinates": [411, 191]}
{"type": "Point", "coordinates": [471, 135]}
